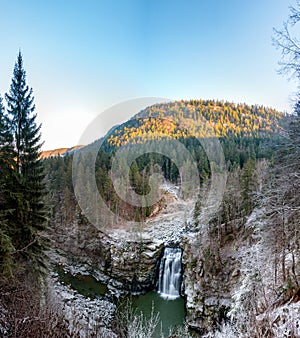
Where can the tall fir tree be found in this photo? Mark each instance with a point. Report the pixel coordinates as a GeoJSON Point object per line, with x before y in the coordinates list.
{"type": "Point", "coordinates": [6, 151]}
{"type": "Point", "coordinates": [6, 162]}
{"type": "Point", "coordinates": [28, 190]}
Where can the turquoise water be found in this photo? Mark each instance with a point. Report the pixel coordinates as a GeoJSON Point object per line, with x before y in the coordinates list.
{"type": "Point", "coordinates": [86, 285]}
{"type": "Point", "coordinates": [171, 312]}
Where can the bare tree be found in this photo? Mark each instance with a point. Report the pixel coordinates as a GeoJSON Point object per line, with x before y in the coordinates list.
{"type": "Point", "coordinates": [285, 40]}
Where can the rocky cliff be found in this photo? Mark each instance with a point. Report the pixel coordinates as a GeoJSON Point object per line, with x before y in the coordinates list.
{"type": "Point", "coordinates": [242, 270]}
{"type": "Point", "coordinates": [127, 258]}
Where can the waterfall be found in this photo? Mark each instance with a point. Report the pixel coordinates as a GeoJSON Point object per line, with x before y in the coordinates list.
{"type": "Point", "coordinates": [169, 281]}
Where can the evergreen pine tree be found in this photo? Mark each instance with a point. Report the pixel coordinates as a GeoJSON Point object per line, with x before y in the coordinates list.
{"type": "Point", "coordinates": [6, 152]}
{"type": "Point", "coordinates": [28, 215]}
{"type": "Point", "coordinates": [6, 160]}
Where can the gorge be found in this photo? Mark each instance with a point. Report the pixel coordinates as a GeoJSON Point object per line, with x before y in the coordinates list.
{"type": "Point", "coordinates": [216, 238]}
{"type": "Point", "coordinates": [167, 306]}
{"type": "Point", "coordinates": [221, 260]}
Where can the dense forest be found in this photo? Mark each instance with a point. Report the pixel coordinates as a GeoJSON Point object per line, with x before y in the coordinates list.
{"type": "Point", "coordinates": [199, 118]}
{"type": "Point", "coordinates": [247, 137]}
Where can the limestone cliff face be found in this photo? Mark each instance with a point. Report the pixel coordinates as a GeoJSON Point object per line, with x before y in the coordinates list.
{"type": "Point", "coordinates": [124, 264]}
{"type": "Point", "coordinates": [135, 264]}
{"type": "Point", "coordinates": [211, 257]}
{"type": "Point", "coordinates": [211, 274]}
{"type": "Point", "coordinates": [126, 259]}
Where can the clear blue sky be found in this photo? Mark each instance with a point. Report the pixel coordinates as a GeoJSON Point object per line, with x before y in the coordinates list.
{"type": "Point", "coordinates": [81, 57]}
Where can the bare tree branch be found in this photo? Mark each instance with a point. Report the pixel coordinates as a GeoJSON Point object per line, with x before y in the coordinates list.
{"type": "Point", "coordinates": [289, 44]}
{"type": "Point", "coordinates": [25, 247]}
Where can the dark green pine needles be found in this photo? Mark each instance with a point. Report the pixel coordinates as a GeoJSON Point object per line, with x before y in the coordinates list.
{"type": "Point", "coordinates": [22, 177]}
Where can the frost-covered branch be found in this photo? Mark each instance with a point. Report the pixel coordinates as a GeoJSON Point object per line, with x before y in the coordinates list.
{"type": "Point", "coordinates": [289, 44]}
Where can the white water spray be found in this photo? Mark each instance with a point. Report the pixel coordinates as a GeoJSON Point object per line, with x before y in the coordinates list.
{"type": "Point", "coordinates": [169, 281]}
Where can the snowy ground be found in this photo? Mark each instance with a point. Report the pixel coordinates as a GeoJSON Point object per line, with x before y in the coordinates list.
{"type": "Point", "coordinates": [167, 226]}
{"type": "Point", "coordinates": [85, 317]}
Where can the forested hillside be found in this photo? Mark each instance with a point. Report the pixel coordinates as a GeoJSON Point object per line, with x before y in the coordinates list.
{"type": "Point", "coordinates": [244, 132]}
{"type": "Point", "coordinates": [198, 118]}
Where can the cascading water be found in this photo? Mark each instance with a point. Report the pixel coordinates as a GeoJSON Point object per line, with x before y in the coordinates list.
{"type": "Point", "coordinates": [169, 281]}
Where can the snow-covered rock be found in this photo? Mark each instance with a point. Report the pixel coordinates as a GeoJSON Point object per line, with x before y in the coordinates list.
{"type": "Point", "coordinates": [83, 317]}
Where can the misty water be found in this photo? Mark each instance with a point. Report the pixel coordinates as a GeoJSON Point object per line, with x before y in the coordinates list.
{"type": "Point", "coordinates": [170, 275]}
